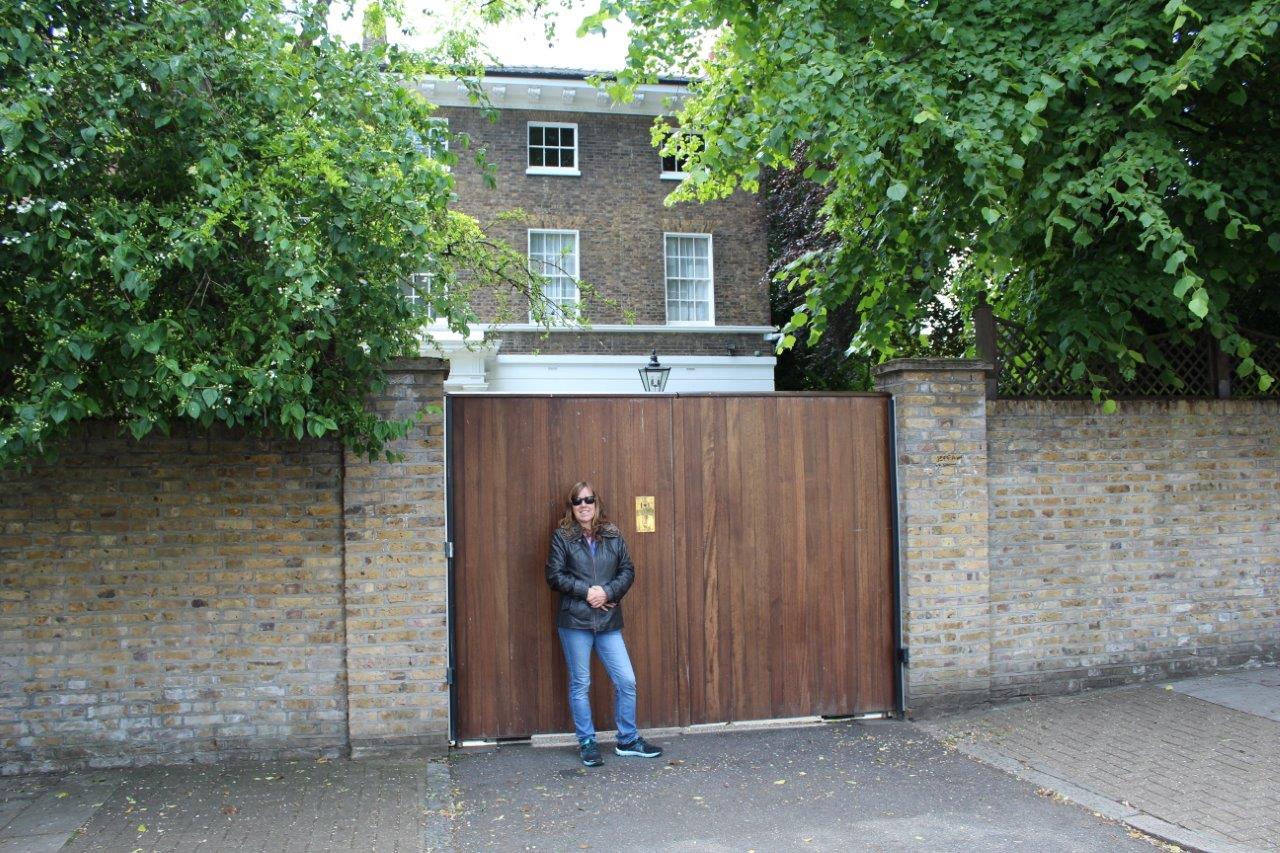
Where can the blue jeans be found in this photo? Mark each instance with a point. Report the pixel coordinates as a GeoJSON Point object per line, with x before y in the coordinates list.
{"type": "Point", "coordinates": [577, 645]}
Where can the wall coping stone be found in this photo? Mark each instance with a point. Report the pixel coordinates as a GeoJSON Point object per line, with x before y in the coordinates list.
{"type": "Point", "coordinates": [908, 365]}
{"type": "Point", "coordinates": [420, 364]}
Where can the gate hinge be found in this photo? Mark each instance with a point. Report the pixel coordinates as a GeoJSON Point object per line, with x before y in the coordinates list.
{"type": "Point", "coordinates": [448, 550]}
{"type": "Point", "coordinates": [904, 656]}
{"type": "Point", "coordinates": [448, 676]}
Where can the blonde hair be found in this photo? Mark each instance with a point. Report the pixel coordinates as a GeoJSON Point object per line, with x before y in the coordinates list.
{"type": "Point", "coordinates": [569, 522]}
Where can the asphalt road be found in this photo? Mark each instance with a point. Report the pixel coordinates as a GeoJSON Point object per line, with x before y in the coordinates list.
{"type": "Point", "coordinates": [842, 786]}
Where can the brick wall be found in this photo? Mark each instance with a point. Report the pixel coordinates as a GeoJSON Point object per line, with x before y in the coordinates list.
{"type": "Point", "coordinates": [617, 206]}
{"type": "Point", "coordinates": [178, 598]}
{"type": "Point", "coordinates": [939, 410]}
{"type": "Point", "coordinates": [1047, 547]}
{"type": "Point", "coordinates": [397, 632]}
{"type": "Point", "coordinates": [206, 597]}
{"type": "Point", "coordinates": [1131, 546]}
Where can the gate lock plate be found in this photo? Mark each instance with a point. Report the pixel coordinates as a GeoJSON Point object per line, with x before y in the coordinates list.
{"type": "Point", "coordinates": [645, 516]}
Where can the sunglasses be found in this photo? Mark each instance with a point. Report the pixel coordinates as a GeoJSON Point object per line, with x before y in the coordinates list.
{"type": "Point", "coordinates": [589, 500]}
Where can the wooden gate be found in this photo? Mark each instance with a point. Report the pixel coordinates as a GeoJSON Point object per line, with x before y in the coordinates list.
{"type": "Point", "coordinates": [765, 591]}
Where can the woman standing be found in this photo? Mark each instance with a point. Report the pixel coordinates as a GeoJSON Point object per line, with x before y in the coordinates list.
{"type": "Point", "coordinates": [590, 567]}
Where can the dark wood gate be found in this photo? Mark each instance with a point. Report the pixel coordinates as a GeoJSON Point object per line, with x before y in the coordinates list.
{"type": "Point", "coordinates": [765, 591]}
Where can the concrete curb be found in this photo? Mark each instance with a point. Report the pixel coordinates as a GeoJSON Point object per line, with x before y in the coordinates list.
{"type": "Point", "coordinates": [700, 729]}
{"type": "Point", "coordinates": [1149, 824]}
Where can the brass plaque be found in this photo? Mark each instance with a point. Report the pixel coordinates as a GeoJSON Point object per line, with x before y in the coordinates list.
{"type": "Point", "coordinates": [644, 514]}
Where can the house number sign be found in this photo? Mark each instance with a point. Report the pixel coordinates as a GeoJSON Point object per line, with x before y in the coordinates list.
{"type": "Point", "coordinates": [644, 514]}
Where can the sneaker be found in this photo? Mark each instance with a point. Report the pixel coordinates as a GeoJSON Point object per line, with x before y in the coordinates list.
{"type": "Point", "coordinates": [638, 749]}
{"type": "Point", "coordinates": [590, 753]}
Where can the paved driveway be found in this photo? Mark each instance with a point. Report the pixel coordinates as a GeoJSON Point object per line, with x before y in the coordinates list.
{"type": "Point", "coordinates": [841, 786]}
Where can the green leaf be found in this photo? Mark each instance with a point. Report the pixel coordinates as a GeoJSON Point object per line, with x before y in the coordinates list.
{"type": "Point", "coordinates": [1175, 260]}
{"type": "Point", "coordinates": [1199, 303]}
{"type": "Point", "coordinates": [88, 134]}
{"type": "Point", "coordinates": [1273, 242]}
{"type": "Point", "coordinates": [925, 115]}
{"type": "Point", "coordinates": [897, 191]}
{"type": "Point", "coordinates": [188, 379]}
{"type": "Point", "coordinates": [990, 215]}
{"type": "Point", "coordinates": [1184, 284]}
{"type": "Point", "coordinates": [1109, 407]}
{"type": "Point", "coordinates": [1233, 229]}
{"type": "Point", "coordinates": [210, 396]}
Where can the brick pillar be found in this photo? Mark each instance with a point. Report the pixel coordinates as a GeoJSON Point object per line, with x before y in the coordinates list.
{"type": "Point", "coordinates": [395, 577]}
{"type": "Point", "coordinates": [941, 432]}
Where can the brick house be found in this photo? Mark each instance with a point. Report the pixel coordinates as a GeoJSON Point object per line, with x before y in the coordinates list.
{"type": "Point", "coordinates": [687, 281]}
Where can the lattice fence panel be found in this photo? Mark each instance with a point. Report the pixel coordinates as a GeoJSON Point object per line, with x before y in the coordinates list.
{"type": "Point", "coordinates": [1176, 366]}
{"type": "Point", "coordinates": [1266, 354]}
{"type": "Point", "coordinates": [1030, 368]}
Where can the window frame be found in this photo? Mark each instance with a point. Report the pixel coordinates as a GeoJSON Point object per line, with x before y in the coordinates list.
{"type": "Point", "coordinates": [442, 136]}
{"type": "Point", "coordinates": [427, 277]}
{"type": "Point", "coordinates": [575, 277]}
{"type": "Point", "coordinates": [711, 279]}
{"type": "Point", "coordinates": [573, 170]}
{"type": "Point", "coordinates": [669, 174]}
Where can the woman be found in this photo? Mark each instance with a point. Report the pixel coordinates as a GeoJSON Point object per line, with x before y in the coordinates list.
{"type": "Point", "coordinates": [590, 567]}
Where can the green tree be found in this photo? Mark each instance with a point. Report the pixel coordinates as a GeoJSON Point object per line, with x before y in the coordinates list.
{"type": "Point", "coordinates": [797, 227]}
{"type": "Point", "coordinates": [208, 212]}
{"type": "Point", "coordinates": [1103, 171]}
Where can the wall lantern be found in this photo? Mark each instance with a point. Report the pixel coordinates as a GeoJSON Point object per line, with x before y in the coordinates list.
{"type": "Point", "coordinates": [654, 375]}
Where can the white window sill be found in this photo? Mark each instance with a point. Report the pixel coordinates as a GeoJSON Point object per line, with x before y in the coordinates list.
{"type": "Point", "coordinates": [702, 324]}
{"type": "Point", "coordinates": [674, 176]}
{"type": "Point", "coordinates": [560, 322]}
{"type": "Point", "coordinates": [552, 170]}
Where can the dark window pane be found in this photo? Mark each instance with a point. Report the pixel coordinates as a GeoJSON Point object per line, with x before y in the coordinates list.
{"type": "Point", "coordinates": [535, 156]}
{"type": "Point", "coordinates": [566, 136]}
{"type": "Point", "coordinates": [566, 158]}
{"type": "Point", "coordinates": [535, 135]}
{"type": "Point", "coordinates": [553, 157]}
{"type": "Point", "coordinates": [553, 135]}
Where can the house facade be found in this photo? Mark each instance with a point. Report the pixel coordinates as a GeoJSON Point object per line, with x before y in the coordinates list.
{"type": "Point", "coordinates": [580, 189]}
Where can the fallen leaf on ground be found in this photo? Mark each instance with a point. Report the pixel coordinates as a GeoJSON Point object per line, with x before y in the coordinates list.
{"type": "Point", "coordinates": [230, 809]}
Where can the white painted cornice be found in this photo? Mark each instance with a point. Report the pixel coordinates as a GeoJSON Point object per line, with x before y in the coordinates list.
{"type": "Point", "coordinates": [626, 328]}
{"type": "Point", "coordinates": [556, 95]}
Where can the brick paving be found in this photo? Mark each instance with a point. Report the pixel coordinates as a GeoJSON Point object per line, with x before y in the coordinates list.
{"type": "Point", "coordinates": [1198, 765]}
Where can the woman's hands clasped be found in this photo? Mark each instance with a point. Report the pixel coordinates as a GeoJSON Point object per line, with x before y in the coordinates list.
{"type": "Point", "coordinates": [598, 598]}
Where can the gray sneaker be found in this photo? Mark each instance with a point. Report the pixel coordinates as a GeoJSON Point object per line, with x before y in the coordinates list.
{"type": "Point", "coordinates": [590, 753]}
{"type": "Point", "coordinates": [638, 749]}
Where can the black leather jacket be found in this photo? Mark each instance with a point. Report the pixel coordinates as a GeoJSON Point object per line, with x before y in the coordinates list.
{"type": "Point", "coordinates": [571, 571]}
